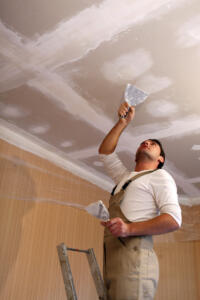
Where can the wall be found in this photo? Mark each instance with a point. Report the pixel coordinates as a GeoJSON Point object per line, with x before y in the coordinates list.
{"type": "Point", "coordinates": [34, 219]}
{"type": "Point", "coordinates": [32, 224]}
{"type": "Point", "coordinates": [179, 270]}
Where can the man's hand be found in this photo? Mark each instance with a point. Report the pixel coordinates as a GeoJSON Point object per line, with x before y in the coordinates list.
{"type": "Point", "coordinates": [117, 227]}
{"type": "Point", "coordinates": [126, 113]}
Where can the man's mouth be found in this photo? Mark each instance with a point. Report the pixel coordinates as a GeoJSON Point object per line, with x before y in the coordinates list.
{"type": "Point", "coordinates": [145, 146]}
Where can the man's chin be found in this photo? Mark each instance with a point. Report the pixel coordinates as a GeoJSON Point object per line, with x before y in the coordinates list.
{"type": "Point", "coordinates": [143, 155]}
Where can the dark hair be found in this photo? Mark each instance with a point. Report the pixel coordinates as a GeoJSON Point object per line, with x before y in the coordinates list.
{"type": "Point", "coordinates": [162, 153]}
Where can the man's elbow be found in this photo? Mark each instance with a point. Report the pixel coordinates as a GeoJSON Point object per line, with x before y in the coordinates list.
{"type": "Point", "coordinates": [174, 224]}
{"type": "Point", "coordinates": [103, 150]}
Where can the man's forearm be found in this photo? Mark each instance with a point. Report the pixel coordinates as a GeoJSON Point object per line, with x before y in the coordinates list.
{"type": "Point", "coordinates": [110, 141]}
{"type": "Point", "coordinates": [161, 224]}
{"type": "Point", "coordinates": [126, 114]}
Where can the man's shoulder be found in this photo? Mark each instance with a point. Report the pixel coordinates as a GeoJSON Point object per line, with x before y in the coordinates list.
{"type": "Point", "coordinates": [163, 174]}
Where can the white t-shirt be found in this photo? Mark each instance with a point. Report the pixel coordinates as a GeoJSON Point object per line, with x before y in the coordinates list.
{"type": "Point", "coordinates": [147, 196]}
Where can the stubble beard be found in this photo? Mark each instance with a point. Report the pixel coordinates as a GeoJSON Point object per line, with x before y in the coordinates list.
{"type": "Point", "coordinates": [143, 156]}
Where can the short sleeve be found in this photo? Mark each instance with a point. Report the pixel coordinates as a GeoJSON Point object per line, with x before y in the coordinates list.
{"type": "Point", "coordinates": [165, 193]}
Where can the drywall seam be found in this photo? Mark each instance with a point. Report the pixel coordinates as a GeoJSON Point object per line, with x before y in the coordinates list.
{"type": "Point", "coordinates": [104, 21]}
{"type": "Point", "coordinates": [189, 201]}
{"type": "Point", "coordinates": [72, 40]}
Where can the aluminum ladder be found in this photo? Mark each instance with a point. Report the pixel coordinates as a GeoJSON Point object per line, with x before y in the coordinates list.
{"type": "Point", "coordinates": [67, 273]}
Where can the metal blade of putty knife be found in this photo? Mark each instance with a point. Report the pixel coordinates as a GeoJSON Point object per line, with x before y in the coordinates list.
{"type": "Point", "coordinates": [134, 96]}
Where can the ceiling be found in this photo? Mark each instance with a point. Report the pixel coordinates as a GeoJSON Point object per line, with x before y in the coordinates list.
{"type": "Point", "coordinates": [65, 65]}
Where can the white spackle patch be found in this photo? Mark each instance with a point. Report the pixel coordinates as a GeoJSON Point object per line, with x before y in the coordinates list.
{"type": "Point", "coordinates": [181, 180]}
{"type": "Point", "coordinates": [55, 87]}
{"type": "Point", "coordinates": [152, 84]}
{"type": "Point", "coordinates": [196, 147]}
{"type": "Point", "coordinates": [39, 129]}
{"type": "Point", "coordinates": [98, 163]}
{"type": "Point", "coordinates": [66, 144]}
{"type": "Point", "coordinates": [72, 40]}
{"type": "Point", "coordinates": [161, 108]}
{"type": "Point", "coordinates": [11, 111]}
{"type": "Point", "coordinates": [128, 66]}
{"type": "Point", "coordinates": [189, 33]}
{"type": "Point", "coordinates": [83, 153]}
{"type": "Point", "coordinates": [194, 180]}
{"type": "Point", "coordinates": [189, 201]}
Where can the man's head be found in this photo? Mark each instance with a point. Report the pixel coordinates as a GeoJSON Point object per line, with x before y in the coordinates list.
{"type": "Point", "coordinates": [151, 150]}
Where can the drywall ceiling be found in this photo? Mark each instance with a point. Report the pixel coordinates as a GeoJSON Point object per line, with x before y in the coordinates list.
{"type": "Point", "coordinates": [64, 67]}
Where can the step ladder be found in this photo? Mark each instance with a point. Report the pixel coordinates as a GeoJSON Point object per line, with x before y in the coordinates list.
{"type": "Point", "coordinates": [67, 273]}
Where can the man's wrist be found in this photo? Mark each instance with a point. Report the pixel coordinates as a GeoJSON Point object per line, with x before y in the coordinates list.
{"type": "Point", "coordinates": [122, 123]}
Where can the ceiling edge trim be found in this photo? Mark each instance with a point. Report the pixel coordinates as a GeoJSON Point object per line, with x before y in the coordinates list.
{"type": "Point", "coordinates": [26, 141]}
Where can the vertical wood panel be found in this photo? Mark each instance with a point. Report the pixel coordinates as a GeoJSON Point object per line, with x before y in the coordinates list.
{"type": "Point", "coordinates": [178, 270]}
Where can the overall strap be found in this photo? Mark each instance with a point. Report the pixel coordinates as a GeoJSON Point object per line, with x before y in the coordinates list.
{"type": "Point", "coordinates": [132, 179]}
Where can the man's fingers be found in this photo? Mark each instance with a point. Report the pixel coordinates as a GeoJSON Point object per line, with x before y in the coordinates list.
{"type": "Point", "coordinates": [114, 221]}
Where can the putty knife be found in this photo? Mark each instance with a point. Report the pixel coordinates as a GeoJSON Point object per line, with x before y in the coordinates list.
{"type": "Point", "coordinates": [134, 96]}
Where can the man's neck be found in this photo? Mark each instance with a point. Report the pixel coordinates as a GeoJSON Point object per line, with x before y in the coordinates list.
{"type": "Point", "coordinates": [144, 166]}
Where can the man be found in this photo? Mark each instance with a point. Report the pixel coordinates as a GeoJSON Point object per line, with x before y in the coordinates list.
{"type": "Point", "coordinates": [144, 203]}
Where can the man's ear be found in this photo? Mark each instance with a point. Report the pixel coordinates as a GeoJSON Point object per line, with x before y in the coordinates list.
{"type": "Point", "coordinates": [161, 159]}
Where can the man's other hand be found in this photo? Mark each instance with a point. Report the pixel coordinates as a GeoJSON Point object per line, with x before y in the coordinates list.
{"type": "Point", "coordinates": [117, 227]}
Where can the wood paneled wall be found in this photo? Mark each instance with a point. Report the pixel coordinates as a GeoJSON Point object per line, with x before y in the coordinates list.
{"type": "Point", "coordinates": [179, 270]}
{"type": "Point", "coordinates": [33, 221]}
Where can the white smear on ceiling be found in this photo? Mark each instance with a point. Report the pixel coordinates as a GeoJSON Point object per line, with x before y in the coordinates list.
{"type": "Point", "coordinates": [12, 75]}
{"type": "Point", "coordinates": [196, 147]}
{"type": "Point", "coordinates": [66, 144]}
{"type": "Point", "coordinates": [189, 201]}
{"type": "Point", "coordinates": [194, 180]}
{"type": "Point", "coordinates": [181, 180]}
{"type": "Point", "coordinates": [32, 72]}
{"type": "Point", "coordinates": [39, 129]}
{"type": "Point", "coordinates": [135, 135]}
{"type": "Point", "coordinates": [153, 84]}
{"type": "Point", "coordinates": [72, 40]}
{"type": "Point", "coordinates": [128, 66]}
{"type": "Point", "coordinates": [161, 108]}
{"type": "Point", "coordinates": [56, 88]}
{"type": "Point", "coordinates": [11, 111]}
{"type": "Point", "coordinates": [98, 163]}
{"type": "Point", "coordinates": [189, 33]}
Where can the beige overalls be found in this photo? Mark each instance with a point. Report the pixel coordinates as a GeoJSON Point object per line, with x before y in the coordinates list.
{"type": "Point", "coordinates": [131, 268]}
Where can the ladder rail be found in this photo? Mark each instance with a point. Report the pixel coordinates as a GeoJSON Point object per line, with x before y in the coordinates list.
{"type": "Point", "coordinates": [96, 275]}
{"type": "Point", "coordinates": [67, 273]}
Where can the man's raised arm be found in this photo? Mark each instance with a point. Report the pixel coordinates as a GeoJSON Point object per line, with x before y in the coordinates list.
{"type": "Point", "coordinates": [110, 141]}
